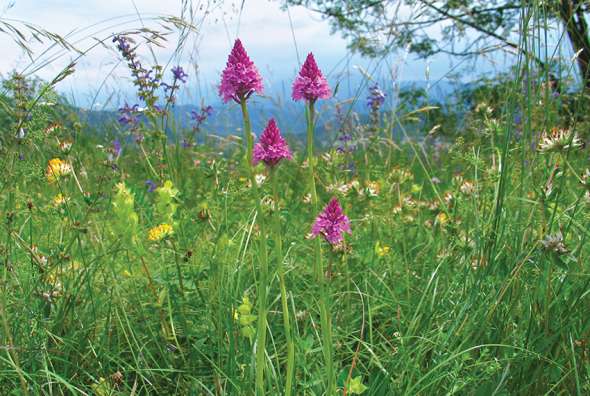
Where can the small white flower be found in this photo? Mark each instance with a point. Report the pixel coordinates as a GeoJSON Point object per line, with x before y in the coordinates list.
{"type": "Point", "coordinates": [344, 188]}
{"type": "Point", "coordinates": [554, 243]}
{"type": "Point", "coordinates": [467, 188]}
{"type": "Point", "coordinates": [260, 179]}
{"type": "Point", "coordinates": [559, 140]}
{"type": "Point", "coordinates": [65, 146]}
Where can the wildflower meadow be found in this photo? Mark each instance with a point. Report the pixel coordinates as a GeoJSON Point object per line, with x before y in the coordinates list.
{"type": "Point", "coordinates": [344, 237]}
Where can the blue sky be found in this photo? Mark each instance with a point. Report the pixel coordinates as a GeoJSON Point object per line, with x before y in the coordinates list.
{"type": "Point", "coordinates": [264, 28]}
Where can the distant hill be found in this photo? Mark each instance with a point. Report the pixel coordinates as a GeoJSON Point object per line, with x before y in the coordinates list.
{"type": "Point", "coordinates": [227, 118]}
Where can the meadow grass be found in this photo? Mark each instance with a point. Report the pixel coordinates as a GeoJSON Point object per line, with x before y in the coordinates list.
{"type": "Point", "coordinates": [466, 271]}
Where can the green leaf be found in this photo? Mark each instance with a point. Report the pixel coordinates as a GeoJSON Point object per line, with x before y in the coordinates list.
{"type": "Point", "coordinates": [356, 386]}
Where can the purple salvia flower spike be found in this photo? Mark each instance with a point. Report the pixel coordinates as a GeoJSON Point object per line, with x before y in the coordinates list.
{"type": "Point", "coordinates": [179, 74]}
{"type": "Point", "coordinates": [117, 149]}
{"type": "Point", "coordinates": [376, 97]}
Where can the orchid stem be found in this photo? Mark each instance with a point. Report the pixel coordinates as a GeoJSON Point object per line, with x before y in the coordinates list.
{"type": "Point", "coordinates": [263, 271]}
{"type": "Point", "coordinates": [281, 270]}
{"type": "Point", "coordinates": [325, 321]}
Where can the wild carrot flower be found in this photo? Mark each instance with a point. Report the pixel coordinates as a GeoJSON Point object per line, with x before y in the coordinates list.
{"type": "Point", "coordinates": [241, 78]}
{"type": "Point", "coordinates": [271, 148]}
{"type": "Point", "coordinates": [331, 223]}
{"type": "Point", "coordinates": [310, 84]}
{"type": "Point", "coordinates": [559, 140]}
{"type": "Point", "coordinates": [160, 232]}
{"type": "Point", "coordinates": [57, 168]}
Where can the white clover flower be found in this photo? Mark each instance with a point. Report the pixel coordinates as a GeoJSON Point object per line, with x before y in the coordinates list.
{"type": "Point", "coordinates": [559, 140]}
{"type": "Point", "coordinates": [260, 179]}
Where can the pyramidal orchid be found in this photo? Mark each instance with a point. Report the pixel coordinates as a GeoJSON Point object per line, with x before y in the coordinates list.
{"type": "Point", "coordinates": [331, 223]}
{"type": "Point", "coordinates": [310, 85]}
{"type": "Point", "coordinates": [271, 148]}
{"type": "Point", "coordinates": [239, 81]}
{"type": "Point", "coordinates": [241, 78]}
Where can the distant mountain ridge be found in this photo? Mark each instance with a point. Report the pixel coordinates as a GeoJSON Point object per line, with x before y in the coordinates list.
{"type": "Point", "coordinates": [227, 117]}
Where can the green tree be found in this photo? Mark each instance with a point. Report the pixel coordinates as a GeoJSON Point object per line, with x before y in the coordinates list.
{"type": "Point", "coordinates": [455, 27]}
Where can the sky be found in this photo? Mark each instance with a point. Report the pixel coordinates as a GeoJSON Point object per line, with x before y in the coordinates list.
{"type": "Point", "coordinates": [277, 41]}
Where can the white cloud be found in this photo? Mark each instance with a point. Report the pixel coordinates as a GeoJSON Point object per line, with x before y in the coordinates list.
{"type": "Point", "coordinates": [264, 28]}
{"type": "Point", "coordinates": [262, 25]}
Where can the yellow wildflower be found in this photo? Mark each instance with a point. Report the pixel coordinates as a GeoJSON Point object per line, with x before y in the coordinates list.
{"type": "Point", "coordinates": [59, 200]}
{"type": "Point", "coordinates": [442, 218]}
{"type": "Point", "coordinates": [57, 168]}
{"type": "Point", "coordinates": [372, 188]}
{"type": "Point", "coordinates": [160, 232]}
{"type": "Point", "coordinates": [382, 250]}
